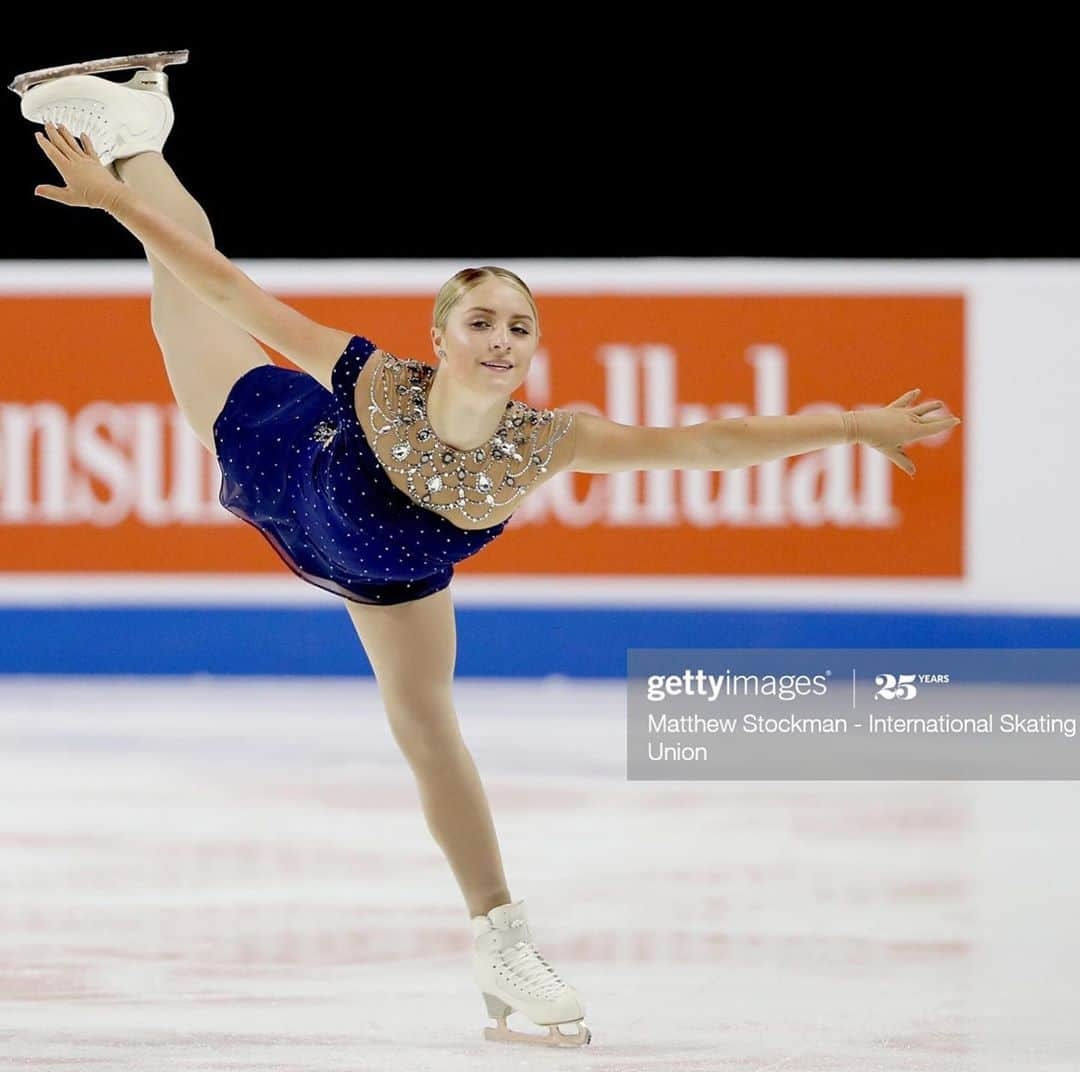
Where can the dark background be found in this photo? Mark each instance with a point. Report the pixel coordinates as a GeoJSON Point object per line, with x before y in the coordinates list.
{"type": "Point", "coordinates": [488, 133]}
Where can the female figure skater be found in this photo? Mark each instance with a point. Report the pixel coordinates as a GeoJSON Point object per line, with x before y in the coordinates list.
{"type": "Point", "coordinates": [371, 476]}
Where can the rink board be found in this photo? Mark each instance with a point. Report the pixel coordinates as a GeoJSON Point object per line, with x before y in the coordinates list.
{"type": "Point", "coordinates": [493, 641]}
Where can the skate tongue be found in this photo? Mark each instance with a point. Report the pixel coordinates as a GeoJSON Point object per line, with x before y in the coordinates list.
{"type": "Point", "coordinates": [479, 925]}
{"type": "Point", "coordinates": [499, 918]}
{"type": "Point", "coordinates": [506, 915]}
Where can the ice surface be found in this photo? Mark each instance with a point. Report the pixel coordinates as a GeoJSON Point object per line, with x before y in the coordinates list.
{"type": "Point", "coordinates": [236, 874]}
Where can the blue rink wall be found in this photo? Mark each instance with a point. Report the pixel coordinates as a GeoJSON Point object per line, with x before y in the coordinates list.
{"type": "Point", "coordinates": [510, 641]}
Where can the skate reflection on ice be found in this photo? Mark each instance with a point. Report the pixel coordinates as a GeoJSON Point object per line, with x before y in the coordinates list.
{"type": "Point", "coordinates": [222, 874]}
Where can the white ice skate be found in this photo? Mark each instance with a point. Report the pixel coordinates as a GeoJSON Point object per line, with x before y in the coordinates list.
{"type": "Point", "coordinates": [513, 977]}
{"type": "Point", "coordinates": [122, 118]}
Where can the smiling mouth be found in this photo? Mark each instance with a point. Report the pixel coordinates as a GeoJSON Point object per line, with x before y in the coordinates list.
{"type": "Point", "coordinates": [496, 365]}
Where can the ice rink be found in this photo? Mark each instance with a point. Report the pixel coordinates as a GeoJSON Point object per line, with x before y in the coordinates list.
{"type": "Point", "coordinates": [236, 874]}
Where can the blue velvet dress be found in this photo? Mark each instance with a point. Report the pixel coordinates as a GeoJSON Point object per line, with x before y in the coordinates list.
{"type": "Point", "coordinates": [295, 463]}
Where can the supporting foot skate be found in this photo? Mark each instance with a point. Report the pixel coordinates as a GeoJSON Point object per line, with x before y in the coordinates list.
{"type": "Point", "coordinates": [498, 1010]}
{"type": "Point", "coordinates": [514, 977]}
{"type": "Point", "coordinates": [122, 119]}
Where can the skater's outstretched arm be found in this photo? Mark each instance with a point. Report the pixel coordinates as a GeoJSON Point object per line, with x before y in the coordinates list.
{"type": "Point", "coordinates": [603, 446]}
{"type": "Point", "coordinates": [211, 276]}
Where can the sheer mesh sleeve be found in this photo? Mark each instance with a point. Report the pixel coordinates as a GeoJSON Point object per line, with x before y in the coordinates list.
{"type": "Point", "coordinates": [556, 441]}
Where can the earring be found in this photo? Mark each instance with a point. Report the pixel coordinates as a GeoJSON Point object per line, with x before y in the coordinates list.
{"type": "Point", "coordinates": [442, 353]}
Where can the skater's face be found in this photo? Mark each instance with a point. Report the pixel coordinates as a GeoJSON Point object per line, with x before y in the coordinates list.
{"type": "Point", "coordinates": [491, 324]}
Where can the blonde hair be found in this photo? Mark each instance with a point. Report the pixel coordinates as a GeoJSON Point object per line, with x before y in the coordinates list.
{"type": "Point", "coordinates": [458, 285]}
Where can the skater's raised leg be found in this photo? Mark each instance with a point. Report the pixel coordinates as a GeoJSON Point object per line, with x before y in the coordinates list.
{"type": "Point", "coordinates": [129, 123]}
{"type": "Point", "coordinates": [204, 353]}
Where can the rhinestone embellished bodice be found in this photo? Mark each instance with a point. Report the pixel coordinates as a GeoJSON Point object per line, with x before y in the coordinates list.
{"type": "Point", "coordinates": [468, 486]}
{"type": "Point", "coordinates": [297, 463]}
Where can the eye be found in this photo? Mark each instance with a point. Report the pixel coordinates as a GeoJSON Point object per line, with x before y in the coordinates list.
{"type": "Point", "coordinates": [520, 330]}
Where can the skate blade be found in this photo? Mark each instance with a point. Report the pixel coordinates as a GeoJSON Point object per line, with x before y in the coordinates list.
{"type": "Point", "coordinates": [502, 1033]}
{"type": "Point", "coordinates": [154, 61]}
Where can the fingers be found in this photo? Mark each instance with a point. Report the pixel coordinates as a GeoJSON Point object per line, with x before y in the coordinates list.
{"type": "Point", "coordinates": [69, 139]}
{"type": "Point", "coordinates": [926, 407]}
{"type": "Point", "coordinates": [942, 425]}
{"type": "Point", "coordinates": [64, 140]}
{"type": "Point", "coordinates": [52, 193]}
{"type": "Point", "coordinates": [899, 459]}
{"type": "Point", "coordinates": [57, 139]}
{"type": "Point", "coordinates": [904, 399]}
{"type": "Point", "coordinates": [51, 151]}
{"type": "Point", "coordinates": [60, 146]}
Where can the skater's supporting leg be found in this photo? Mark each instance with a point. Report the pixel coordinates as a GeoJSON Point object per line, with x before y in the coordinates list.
{"type": "Point", "coordinates": [412, 647]}
{"type": "Point", "coordinates": [205, 354]}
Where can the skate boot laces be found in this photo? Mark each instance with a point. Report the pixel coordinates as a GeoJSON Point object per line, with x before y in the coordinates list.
{"type": "Point", "coordinates": [80, 120]}
{"type": "Point", "coordinates": [527, 966]}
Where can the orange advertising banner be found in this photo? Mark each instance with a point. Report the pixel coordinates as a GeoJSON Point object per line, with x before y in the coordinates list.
{"type": "Point", "coordinates": [100, 474]}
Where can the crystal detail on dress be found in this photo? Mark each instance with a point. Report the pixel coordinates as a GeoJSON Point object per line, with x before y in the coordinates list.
{"type": "Point", "coordinates": [324, 432]}
{"type": "Point", "coordinates": [467, 484]}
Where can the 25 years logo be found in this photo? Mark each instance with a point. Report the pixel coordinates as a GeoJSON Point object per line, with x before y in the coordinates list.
{"type": "Point", "coordinates": [903, 687]}
{"type": "Point", "coordinates": [895, 687]}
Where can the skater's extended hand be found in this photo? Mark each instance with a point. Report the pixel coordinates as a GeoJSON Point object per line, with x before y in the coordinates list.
{"type": "Point", "coordinates": [89, 183]}
{"type": "Point", "coordinates": [902, 421]}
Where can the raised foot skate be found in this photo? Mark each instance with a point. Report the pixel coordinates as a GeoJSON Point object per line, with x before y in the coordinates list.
{"type": "Point", "coordinates": [150, 61]}
{"type": "Point", "coordinates": [123, 119]}
{"type": "Point", "coordinates": [498, 1010]}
